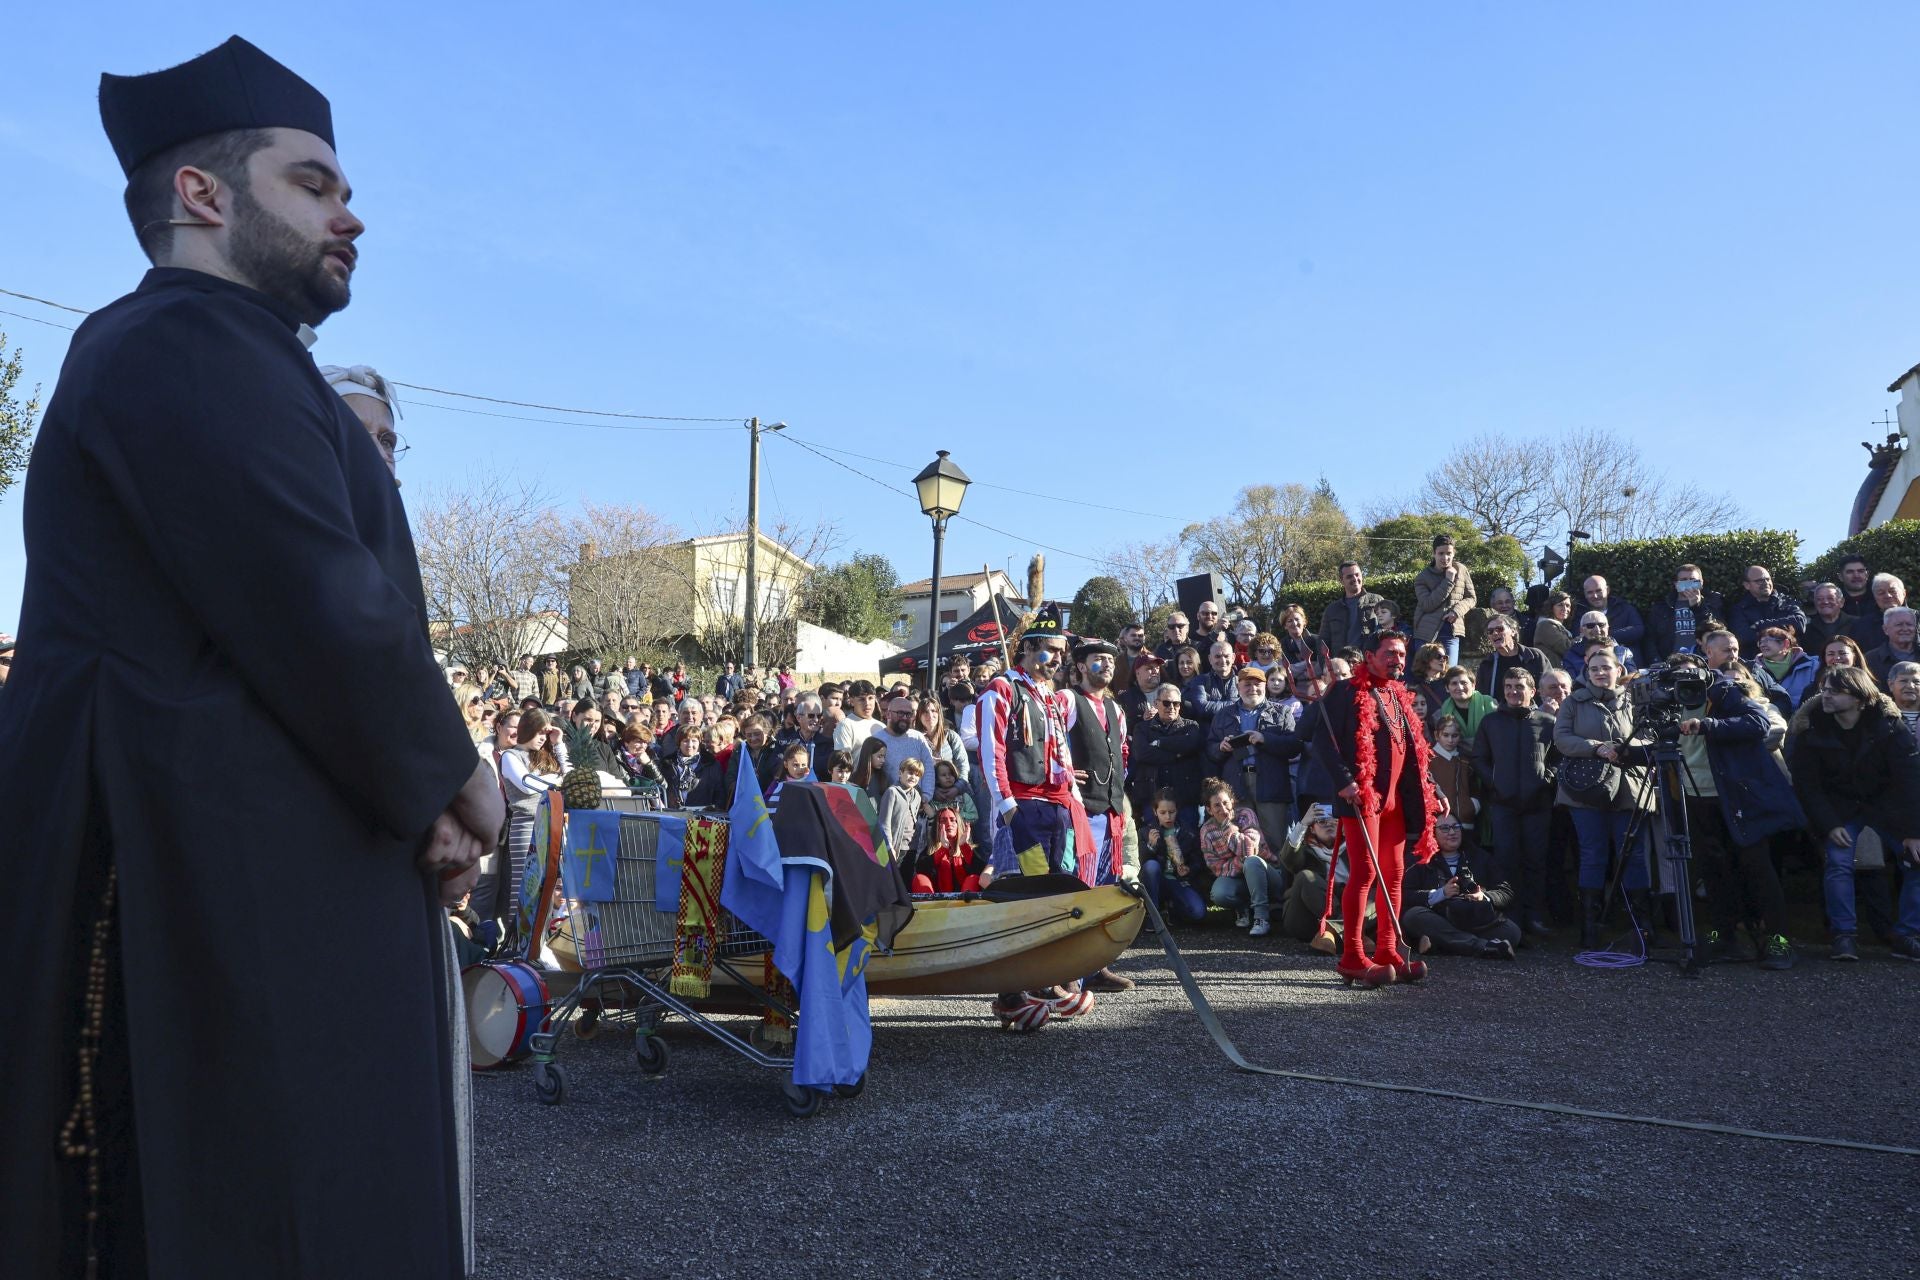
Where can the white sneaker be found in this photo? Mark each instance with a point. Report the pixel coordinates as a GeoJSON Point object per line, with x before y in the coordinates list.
{"type": "Point", "coordinates": [1242, 920]}
{"type": "Point", "coordinates": [1261, 929]}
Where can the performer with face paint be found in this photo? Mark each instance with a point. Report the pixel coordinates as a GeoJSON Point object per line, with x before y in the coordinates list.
{"type": "Point", "coordinates": [1371, 744]}
{"type": "Point", "coordinates": [1025, 754]}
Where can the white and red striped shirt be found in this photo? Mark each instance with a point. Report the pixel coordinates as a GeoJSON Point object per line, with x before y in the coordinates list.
{"type": "Point", "coordinates": [995, 704]}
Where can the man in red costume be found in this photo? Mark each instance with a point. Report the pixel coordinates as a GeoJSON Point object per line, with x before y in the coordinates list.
{"type": "Point", "coordinates": [1371, 743]}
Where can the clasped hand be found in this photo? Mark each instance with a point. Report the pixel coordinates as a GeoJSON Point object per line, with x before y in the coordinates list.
{"type": "Point", "coordinates": [463, 834]}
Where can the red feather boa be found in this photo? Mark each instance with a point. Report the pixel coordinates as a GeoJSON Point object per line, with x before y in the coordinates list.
{"type": "Point", "coordinates": [1366, 715]}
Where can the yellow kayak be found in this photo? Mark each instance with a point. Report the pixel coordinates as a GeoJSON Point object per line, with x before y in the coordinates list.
{"type": "Point", "coordinates": [957, 947]}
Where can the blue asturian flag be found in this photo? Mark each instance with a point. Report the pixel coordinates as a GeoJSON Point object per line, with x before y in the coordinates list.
{"type": "Point", "coordinates": [589, 855]}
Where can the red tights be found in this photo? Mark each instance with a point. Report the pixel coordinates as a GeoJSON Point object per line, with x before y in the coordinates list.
{"type": "Point", "coordinates": [1389, 833]}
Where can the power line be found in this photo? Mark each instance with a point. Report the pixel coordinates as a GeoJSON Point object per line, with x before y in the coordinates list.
{"type": "Point", "coordinates": [560, 422]}
{"type": "Point", "coordinates": [1005, 533]}
{"type": "Point", "coordinates": [58, 306]}
{"type": "Point", "coordinates": [554, 408]}
{"type": "Point", "coordinates": [36, 319]}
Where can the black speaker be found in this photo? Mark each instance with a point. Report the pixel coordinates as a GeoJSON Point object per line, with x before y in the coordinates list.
{"type": "Point", "coordinates": [1198, 589]}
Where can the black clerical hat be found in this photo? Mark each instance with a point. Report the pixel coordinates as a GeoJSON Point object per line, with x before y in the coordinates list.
{"type": "Point", "coordinates": [234, 86]}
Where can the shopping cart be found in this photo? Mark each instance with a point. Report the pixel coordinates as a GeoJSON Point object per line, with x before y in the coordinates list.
{"type": "Point", "coordinates": [624, 948]}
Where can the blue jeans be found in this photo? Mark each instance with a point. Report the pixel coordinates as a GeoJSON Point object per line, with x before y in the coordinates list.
{"type": "Point", "coordinates": [1249, 888]}
{"type": "Point", "coordinates": [1603, 833]}
{"type": "Point", "coordinates": [1841, 917]}
{"type": "Point", "coordinates": [1177, 899]}
{"type": "Point", "coordinates": [1452, 645]}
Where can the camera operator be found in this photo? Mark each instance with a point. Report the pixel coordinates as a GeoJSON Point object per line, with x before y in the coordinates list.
{"type": "Point", "coordinates": [1855, 766]}
{"type": "Point", "coordinates": [1738, 797]}
{"type": "Point", "coordinates": [1450, 908]}
{"type": "Point", "coordinates": [1597, 723]}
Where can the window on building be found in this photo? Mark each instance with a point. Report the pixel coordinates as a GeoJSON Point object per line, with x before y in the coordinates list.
{"type": "Point", "coordinates": [949, 616]}
{"type": "Point", "coordinates": [902, 628]}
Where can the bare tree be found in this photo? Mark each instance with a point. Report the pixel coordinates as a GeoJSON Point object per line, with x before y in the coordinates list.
{"type": "Point", "coordinates": [1147, 570]}
{"type": "Point", "coordinates": [1494, 482]}
{"type": "Point", "coordinates": [1274, 534]}
{"type": "Point", "coordinates": [628, 594]}
{"type": "Point", "coordinates": [491, 555]}
{"type": "Point", "coordinates": [1603, 485]}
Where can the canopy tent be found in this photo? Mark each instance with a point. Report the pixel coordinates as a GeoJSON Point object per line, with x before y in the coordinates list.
{"type": "Point", "coordinates": [976, 635]}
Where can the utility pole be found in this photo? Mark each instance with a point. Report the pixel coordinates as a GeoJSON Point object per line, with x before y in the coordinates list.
{"type": "Point", "coordinates": [750, 616]}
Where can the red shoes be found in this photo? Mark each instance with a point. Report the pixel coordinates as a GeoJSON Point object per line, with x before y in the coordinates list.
{"type": "Point", "coordinates": [1371, 976]}
{"type": "Point", "coordinates": [1408, 970]}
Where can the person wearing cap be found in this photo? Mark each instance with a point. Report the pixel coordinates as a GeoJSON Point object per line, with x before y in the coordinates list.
{"type": "Point", "coordinates": [1252, 742]}
{"type": "Point", "coordinates": [1137, 700]}
{"type": "Point", "coordinates": [1028, 767]}
{"type": "Point", "coordinates": [1097, 743]}
{"type": "Point", "coordinates": [373, 403]}
{"type": "Point", "coordinates": [904, 742]}
{"type": "Point", "coordinates": [196, 480]}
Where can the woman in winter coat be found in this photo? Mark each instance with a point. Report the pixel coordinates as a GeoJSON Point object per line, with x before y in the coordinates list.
{"type": "Point", "coordinates": [1791, 667]}
{"type": "Point", "coordinates": [1443, 592]}
{"type": "Point", "coordinates": [1856, 766]}
{"type": "Point", "coordinates": [1738, 797]}
{"type": "Point", "coordinates": [1597, 721]}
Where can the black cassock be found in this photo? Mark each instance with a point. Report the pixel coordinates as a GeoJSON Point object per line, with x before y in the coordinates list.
{"type": "Point", "coordinates": [224, 684]}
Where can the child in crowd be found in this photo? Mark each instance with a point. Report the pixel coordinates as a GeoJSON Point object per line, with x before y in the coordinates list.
{"type": "Point", "coordinates": [899, 820]}
{"type": "Point", "coordinates": [1451, 769]}
{"type": "Point", "coordinates": [870, 769]}
{"type": "Point", "coordinates": [840, 767]}
{"type": "Point", "coordinates": [1465, 704]}
{"type": "Point", "coordinates": [948, 865]}
{"type": "Point", "coordinates": [1171, 866]}
{"type": "Point", "coordinates": [1230, 842]}
{"type": "Point", "coordinates": [793, 768]}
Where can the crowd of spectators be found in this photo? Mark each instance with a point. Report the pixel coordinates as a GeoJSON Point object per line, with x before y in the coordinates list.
{"type": "Point", "coordinates": [1804, 753]}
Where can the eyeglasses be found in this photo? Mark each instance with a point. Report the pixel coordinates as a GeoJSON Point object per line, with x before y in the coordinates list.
{"type": "Point", "coordinates": [1169, 702]}
{"type": "Point", "coordinates": [1446, 826]}
{"type": "Point", "coordinates": [630, 706]}
{"type": "Point", "coordinates": [1265, 651]}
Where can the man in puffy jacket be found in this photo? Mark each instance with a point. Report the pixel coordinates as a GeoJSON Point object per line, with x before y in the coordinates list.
{"type": "Point", "coordinates": [1212, 691]}
{"type": "Point", "coordinates": [1512, 755]}
{"type": "Point", "coordinates": [1760, 607]}
{"type": "Point", "coordinates": [1167, 754]}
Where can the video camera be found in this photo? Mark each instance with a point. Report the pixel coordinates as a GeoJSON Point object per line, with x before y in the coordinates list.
{"type": "Point", "coordinates": [1666, 690]}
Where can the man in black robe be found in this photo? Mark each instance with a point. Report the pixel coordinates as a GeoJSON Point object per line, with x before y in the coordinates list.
{"type": "Point", "coordinates": [249, 870]}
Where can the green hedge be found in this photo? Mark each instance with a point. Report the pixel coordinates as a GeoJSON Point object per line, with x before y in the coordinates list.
{"type": "Point", "coordinates": [1314, 597]}
{"type": "Point", "coordinates": [1893, 547]}
{"type": "Point", "coordinates": [1642, 571]}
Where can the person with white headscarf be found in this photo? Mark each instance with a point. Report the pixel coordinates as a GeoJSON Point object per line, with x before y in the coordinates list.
{"type": "Point", "coordinates": [372, 400]}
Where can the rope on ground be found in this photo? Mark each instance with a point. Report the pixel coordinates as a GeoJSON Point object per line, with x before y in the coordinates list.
{"type": "Point", "coordinates": [1211, 1021]}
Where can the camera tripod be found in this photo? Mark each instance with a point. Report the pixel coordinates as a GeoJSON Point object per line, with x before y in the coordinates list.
{"type": "Point", "coordinates": [1670, 776]}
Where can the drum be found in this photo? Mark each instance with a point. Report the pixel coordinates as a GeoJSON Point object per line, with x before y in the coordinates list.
{"type": "Point", "coordinates": [506, 1005]}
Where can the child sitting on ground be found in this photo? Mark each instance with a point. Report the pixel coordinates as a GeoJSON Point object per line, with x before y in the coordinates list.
{"type": "Point", "coordinates": [1171, 867]}
{"type": "Point", "coordinates": [1230, 842]}
{"type": "Point", "coordinates": [948, 864]}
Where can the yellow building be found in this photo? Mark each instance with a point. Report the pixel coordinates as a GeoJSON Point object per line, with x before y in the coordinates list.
{"type": "Point", "coordinates": [677, 590]}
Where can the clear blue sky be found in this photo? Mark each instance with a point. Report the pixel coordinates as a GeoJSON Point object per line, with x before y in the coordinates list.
{"type": "Point", "coordinates": [1187, 247]}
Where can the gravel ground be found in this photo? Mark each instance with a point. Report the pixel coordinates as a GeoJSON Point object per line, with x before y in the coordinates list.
{"type": "Point", "coordinates": [1136, 1149]}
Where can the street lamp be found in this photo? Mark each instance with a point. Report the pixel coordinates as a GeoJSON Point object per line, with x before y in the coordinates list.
{"type": "Point", "coordinates": [941, 486]}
